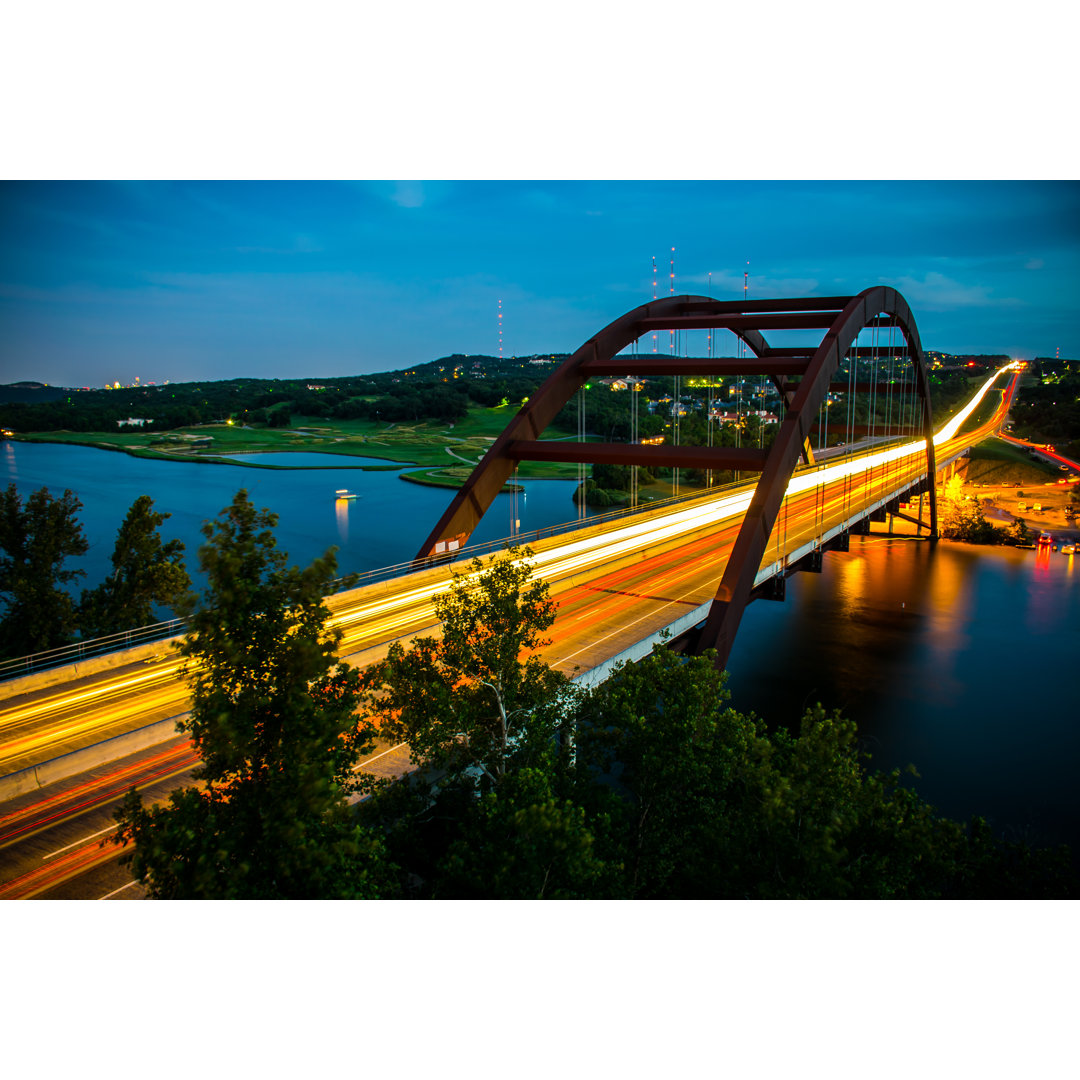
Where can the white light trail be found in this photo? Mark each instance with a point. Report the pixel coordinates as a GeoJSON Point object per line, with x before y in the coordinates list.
{"type": "Point", "coordinates": [575, 555]}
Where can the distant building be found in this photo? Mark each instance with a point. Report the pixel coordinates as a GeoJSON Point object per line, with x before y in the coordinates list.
{"type": "Point", "coordinates": [133, 421]}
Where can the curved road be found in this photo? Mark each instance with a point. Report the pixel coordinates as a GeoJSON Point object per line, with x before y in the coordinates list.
{"type": "Point", "coordinates": [614, 584]}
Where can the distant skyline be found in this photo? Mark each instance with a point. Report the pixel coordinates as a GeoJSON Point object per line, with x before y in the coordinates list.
{"type": "Point", "coordinates": [103, 282]}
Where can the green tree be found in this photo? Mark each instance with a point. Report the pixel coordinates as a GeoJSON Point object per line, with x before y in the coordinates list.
{"type": "Point", "coordinates": [657, 748]}
{"type": "Point", "coordinates": [272, 717]}
{"type": "Point", "coordinates": [612, 477]}
{"type": "Point", "coordinates": [146, 573]}
{"type": "Point", "coordinates": [696, 800]}
{"type": "Point", "coordinates": [467, 700]}
{"type": "Point", "coordinates": [1018, 532]}
{"type": "Point", "coordinates": [35, 540]}
{"type": "Point", "coordinates": [960, 518]}
{"type": "Point", "coordinates": [521, 841]}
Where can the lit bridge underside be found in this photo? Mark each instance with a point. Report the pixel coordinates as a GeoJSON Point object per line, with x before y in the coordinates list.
{"type": "Point", "coordinates": [618, 585]}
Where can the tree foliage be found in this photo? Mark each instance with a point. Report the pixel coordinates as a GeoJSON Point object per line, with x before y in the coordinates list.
{"type": "Point", "coordinates": [699, 800]}
{"type": "Point", "coordinates": [649, 785]}
{"type": "Point", "coordinates": [36, 539]}
{"type": "Point", "coordinates": [272, 717]}
{"type": "Point", "coordinates": [146, 574]}
{"type": "Point", "coordinates": [1018, 532]}
{"type": "Point", "coordinates": [960, 518]}
{"type": "Point", "coordinates": [522, 841]}
{"type": "Point", "coordinates": [467, 700]}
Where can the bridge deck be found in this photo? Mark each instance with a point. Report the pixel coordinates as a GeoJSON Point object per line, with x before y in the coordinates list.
{"type": "Point", "coordinates": [618, 585]}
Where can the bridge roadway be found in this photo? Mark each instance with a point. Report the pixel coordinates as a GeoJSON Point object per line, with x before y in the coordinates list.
{"type": "Point", "coordinates": [617, 585]}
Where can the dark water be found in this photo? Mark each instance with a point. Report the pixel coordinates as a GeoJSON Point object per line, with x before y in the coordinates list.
{"type": "Point", "coordinates": [960, 660]}
{"type": "Point", "coordinates": [384, 527]}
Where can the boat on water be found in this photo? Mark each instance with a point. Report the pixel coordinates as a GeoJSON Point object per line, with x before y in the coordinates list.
{"type": "Point", "coordinates": [344, 493]}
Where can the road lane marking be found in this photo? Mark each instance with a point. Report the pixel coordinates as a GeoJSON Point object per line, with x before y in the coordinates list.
{"type": "Point", "coordinates": [121, 889]}
{"type": "Point", "coordinates": [377, 756]}
{"type": "Point", "coordinates": [108, 828]}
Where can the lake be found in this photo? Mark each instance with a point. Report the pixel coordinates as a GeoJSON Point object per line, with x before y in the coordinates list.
{"type": "Point", "coordinates": [954, 658]}
{"type": "Point", "coordinates": [385, 526]}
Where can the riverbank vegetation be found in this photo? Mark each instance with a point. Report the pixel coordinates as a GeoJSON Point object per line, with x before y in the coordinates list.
{"type": "Point", "coordinates": [435, 420]}
{"type": "Point", "coordinates": [39, 611]}
{"type": "Point", "coordinates": [650, 785]}
{"type": "Point", "coordinates": [1048, 408]}
{"type": "Point", "coordinates": [995, 461]}
{"type": "Point", "coordinates": [272, 717]}
{"type": "Point", "coordinates": [36, 539]}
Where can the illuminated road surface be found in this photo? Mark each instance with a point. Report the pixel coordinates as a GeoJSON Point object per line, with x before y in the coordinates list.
{"type": "Point", "coordinates": [55, 844]}
{"type": "Point", "coordinates": [1042, 451]}
{"type": "Point", "coordinates": [614, 583]}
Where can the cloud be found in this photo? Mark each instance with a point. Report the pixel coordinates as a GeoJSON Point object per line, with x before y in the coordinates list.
{"type": "Point", "coordinates": [1034, 264]}
{"type": "Point", "coordinates": [302, 245]}
{"type": "Point", "coordinates": [409, 194]}
{"type": "Point", "coordinates": [728, 286]}
{"type": "Point", "coordinates": [940, 293]}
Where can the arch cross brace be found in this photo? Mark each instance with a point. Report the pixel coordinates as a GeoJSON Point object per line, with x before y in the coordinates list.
{"type": "Point", "coordinates": [842, 318]}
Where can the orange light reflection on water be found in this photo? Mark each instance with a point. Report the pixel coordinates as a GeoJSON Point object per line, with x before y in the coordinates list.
{"type": "Point", "coordinates": [341, 512]}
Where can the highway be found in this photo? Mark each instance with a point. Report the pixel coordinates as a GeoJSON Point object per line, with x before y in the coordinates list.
{"type": "Point", "coordinates": [55, 843]}
{"type": "Point", "coordinates": [614, 584]}
{"type": "Point", "coordinates": [1045, 452]}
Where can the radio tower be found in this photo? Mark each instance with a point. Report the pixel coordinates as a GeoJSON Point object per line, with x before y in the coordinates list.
{"type": "Point", "coordinates": [671, 333]}
{"type": "Point", "coordinates": [708, 340]}
{"type": "Point", "coordinates": [500, 329]}
{"type": "Point", "coordinates": [654, 296]}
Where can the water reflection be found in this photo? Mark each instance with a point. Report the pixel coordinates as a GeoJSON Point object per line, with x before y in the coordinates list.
{"type": "Point", "coordinates": [395, 519]}
{"type": "Point", "coordinates": [954, 658]}
{"type": "Point", "coordinates": [341, 512]}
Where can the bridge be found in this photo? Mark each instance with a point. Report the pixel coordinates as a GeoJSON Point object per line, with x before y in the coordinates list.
{"type": "Point", "coordinates": [686, 568]}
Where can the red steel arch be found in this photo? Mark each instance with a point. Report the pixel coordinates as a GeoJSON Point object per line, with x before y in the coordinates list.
{"type": "Point", "coordinates": [842, 318]}
{"type": "Point", "coordinates": [737, 583]}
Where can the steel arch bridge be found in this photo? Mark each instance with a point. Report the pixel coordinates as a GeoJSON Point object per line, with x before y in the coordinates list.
{"type": "Point", "coordinates": [802, 375]}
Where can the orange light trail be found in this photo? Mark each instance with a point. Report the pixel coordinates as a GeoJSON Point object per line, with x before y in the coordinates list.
{"type": "Point", "coordinates": [374, 616]}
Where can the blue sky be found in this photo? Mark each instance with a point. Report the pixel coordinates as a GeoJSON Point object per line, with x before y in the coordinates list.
{"type": "Point", "coordinates": [109, 281]}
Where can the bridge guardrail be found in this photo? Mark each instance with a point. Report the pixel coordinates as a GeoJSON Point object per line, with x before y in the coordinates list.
{"type": "Point", "coordinates": [82, 650]}
{"type": "Point", "coordinates": [125, 639]}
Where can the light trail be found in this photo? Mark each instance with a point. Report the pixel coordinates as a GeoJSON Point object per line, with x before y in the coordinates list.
{"type": "Point", "coordinates": [36, 881]}
{"type": "Point", "coordinates": [90, 851]}
{"type": "Point", "coordinates": [1068, 462]}
{"type": "Point", "coordinates": [367, 621]}
{"type": "Point", "coordinates": [95, 793]}
{"type": "Point", "coordinates": [105, 689]}
{"type": "Point", "coordinates": [683, 554]}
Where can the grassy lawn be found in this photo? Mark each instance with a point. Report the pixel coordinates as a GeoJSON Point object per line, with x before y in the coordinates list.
{"type": "Point", "coordinates": [446, 454]}
{"type": "Point", "coordinates": [997, 462]}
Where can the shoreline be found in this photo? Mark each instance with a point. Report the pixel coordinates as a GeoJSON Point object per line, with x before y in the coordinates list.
{"type": "Point", "coordinates": [414, 472]}
{"type": "Point", "coordinates": [147, 454]}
